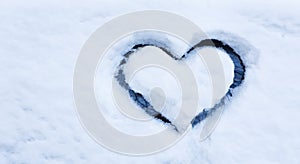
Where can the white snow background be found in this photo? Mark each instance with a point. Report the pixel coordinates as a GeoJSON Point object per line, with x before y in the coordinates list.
{"type": "Point", "coordinates": [39, 45]}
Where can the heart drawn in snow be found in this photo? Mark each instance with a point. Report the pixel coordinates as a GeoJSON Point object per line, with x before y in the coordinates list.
{"type": "Point", "coordinates": [140, 100]}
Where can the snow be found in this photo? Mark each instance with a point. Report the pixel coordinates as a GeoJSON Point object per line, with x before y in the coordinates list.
{"type": "Point", "coordinates": [40, 42]}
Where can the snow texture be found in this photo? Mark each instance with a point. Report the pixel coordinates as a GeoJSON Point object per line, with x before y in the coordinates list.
{"type": "Point", "coordinates": [39, 45]}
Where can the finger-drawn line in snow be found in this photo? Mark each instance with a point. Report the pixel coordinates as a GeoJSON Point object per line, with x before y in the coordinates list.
{"type": "Point", "coordinates": [139, 99]}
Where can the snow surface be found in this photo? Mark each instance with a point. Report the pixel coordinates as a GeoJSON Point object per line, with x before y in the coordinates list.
{"type": "Point", "coordinates": [39, 45]}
